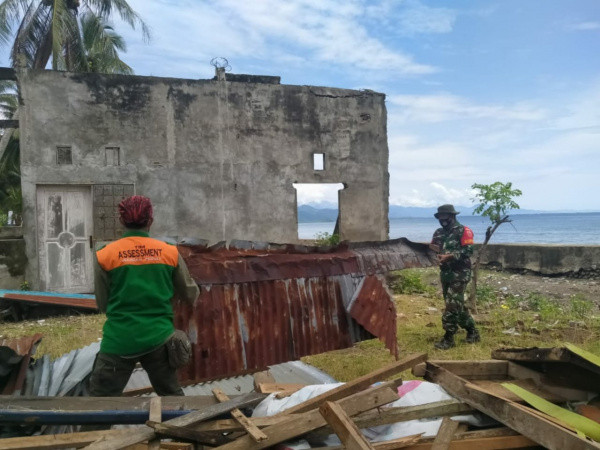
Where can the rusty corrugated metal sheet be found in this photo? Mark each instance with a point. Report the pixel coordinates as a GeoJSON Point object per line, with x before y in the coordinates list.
{"type": "Point", "coordinates": [263, 304]}
{"type": "Point", "coordinates": [25, 347]}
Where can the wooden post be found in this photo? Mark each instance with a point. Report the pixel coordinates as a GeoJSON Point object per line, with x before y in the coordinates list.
{"type": "Point", "coordinates": [155, 415]}
{"type": "Point", "coordinates": [346, 430]}
{"type": "Point", "coordinates": [246, 423]}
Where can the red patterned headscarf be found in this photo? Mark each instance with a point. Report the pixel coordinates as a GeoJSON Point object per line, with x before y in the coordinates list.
{"type": "Point", "coordinates": [135, 211]}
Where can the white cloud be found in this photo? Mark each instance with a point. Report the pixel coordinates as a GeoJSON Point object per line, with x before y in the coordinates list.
{"type": "Point", "coordinates": [585, 26]}
{"type": "Point", "coordinates": [419, 18]}
{"type": "Point", "coordinates": [445, 107]}
{"type": "Point", "coordinates": [317, 193]}
{"type": "Point", "coordinates": [327, 32]}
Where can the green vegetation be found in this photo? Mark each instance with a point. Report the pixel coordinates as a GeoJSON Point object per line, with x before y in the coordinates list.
{"type": "Point", "coordinates": [410, 281]}
{"type": "Point", "coordinates": [495, 202]}
{"type": "Point", "coordinates": [326, 239]}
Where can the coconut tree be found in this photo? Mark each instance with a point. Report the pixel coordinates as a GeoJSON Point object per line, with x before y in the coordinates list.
{"type": "Point", "coordinates": [101, 46]}
{"type": "Point", "coordinates": [44, 29]}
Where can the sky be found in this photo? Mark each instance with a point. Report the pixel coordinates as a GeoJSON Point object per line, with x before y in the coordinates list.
{"type": "Point", "coordinates": [476, 91]}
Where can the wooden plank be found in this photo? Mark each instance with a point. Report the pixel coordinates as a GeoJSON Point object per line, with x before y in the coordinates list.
{"type": "Point", "coordinates": [269, 388]}
{"type": "Point", "coordinates": [495, 388]}
{"type": "Point", "coordinates": [105, 403]}
{"type": "Point", "coordinates": [144, 434]}
{"type": "Point", "coordinates": [155, 416]}
{"type": "Point", "coordinates": [299, 424]}
{"type": "Point", "coordinates": [519, 372]}
{"type": "Point", "coordinates": [8, 73]}
{"type": "Point", "coordinates": [57, 441]}
{"type": "Point", "coordinates": [346, 430]}
{"type": "Point", "coordinates": [358, 384]}
{"type": "Point", "coordinates": [493, 443]}
{"type": "Point", "coordinates": [262, 377]}
{"type": "Point", "coordinates": [445, 434]}
{"type": "Point", "coordinates": [385, 445]}
{"type": "Point", "coordinates": [238, 416]}
{"type": "Point", "coordinates": [209, 439]}
{"type": "Point", "coordinates": [469, 369]}
{"type": "Point", "coordinates": [402, 414]}
{"type": "Point", "coordinates": [536, 428]}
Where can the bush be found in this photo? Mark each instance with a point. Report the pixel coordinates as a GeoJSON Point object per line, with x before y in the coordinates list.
{"type": "Point", "coordinates": [409, 282]}
{"type": "Point", "coordinates": [486, 295]}
{"type": "Point", "coordinates": [580, 306]}
{"type": "Point", "coordinates": [325, 239]}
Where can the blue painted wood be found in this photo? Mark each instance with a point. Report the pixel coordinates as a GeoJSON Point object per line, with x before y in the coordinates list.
{"type": "Point", "coordinates": [3, 292]}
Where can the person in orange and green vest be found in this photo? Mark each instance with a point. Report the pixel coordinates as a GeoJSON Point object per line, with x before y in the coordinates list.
{"type": "Point", "coordinates": [453, 243]}
{"type": "Point", "coordinates": [135, 279]}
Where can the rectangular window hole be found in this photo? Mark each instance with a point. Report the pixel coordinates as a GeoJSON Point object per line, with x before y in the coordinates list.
{"type": "Point", "coordinates": [113, 156]}
{"type": "Point", "coordinates": [318, 161]}
{"type": "Point", "coordinates": [64, 155]}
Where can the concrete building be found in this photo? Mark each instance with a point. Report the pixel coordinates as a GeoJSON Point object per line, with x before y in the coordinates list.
{"type": "Point", "coordinates": [219, 159]}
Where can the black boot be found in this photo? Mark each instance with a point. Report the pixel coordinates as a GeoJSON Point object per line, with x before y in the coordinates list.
{"type": "Point", "coordinates": [472, 336]}
{"type": "Point", "coordinates": [446, 342]}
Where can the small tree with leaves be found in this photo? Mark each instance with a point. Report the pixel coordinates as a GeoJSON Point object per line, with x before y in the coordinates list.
{"type": "Point", "coordinates": [495, 201]}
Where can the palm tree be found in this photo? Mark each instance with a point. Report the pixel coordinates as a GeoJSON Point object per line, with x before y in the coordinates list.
{"type": "Point", "coordinates": [101, 45]}
{"type": "Point", "coordinates": [49, 28]}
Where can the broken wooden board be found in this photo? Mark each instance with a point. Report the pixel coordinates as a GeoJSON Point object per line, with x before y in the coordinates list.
{"type": "Point", "coordinates": [145, 434]}
{"type": "Point", "coordinates": [516, 416]}
{"type": "Point", "coordinates": [386, 416]}
{"type": "Point", "coordinates": [561, 365]}
{"type": "Point", "coordinates": [299, 424]}
{"type": "Point", "coordinates": [240, 418]}
{"type": "Point", "coordinates": [445, 434]}
{"type": "Point", "coordinates": [270, 388]}
{"type": "Point", "coordinates": [469, 369]}
{"type": "Point", "coordinates": [343, 426]}
{"type": "Point", "coordinates": [58, 441]}
{"type": "Point", "coordinates": [359, 384]}
{"type": "Point", "coordinates": [208, 439]}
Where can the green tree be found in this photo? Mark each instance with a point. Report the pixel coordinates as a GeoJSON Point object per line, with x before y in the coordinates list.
{"type": "Point", "coordinates": [44, 29]}
{"type": "Point", "coordinates": [495, 201]}
{"type": "Point", "coordinates": [101, 46]}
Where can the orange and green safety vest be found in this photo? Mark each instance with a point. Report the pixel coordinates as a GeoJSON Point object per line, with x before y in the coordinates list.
{"type": "Point", "coordinates": [140, 287]}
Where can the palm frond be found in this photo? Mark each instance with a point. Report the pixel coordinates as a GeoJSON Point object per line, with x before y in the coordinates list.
{"type": "Point", "coordinates": [105, 8]}
{"type": "Point", "coordinates": [11, 13]}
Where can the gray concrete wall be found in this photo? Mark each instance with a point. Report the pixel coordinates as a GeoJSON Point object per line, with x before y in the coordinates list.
{"type": "Point", "coordinates": [573, 260]}
{"type": "Point", "coordinates": [217, 158]}
{"type": "Point", "coordinates": [13, 260]}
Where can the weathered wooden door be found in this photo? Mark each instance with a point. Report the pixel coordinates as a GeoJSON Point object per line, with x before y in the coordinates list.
{"type": "Point", "coordinates": [64, 230]}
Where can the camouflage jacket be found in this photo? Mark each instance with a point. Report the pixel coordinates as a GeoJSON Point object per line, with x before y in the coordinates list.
{"type": "Point", "coordinates": [457, 241]}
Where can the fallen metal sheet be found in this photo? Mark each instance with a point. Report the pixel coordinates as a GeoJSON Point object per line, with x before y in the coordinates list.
{"type": "Point", "coordinates": [262, 304]}
{"type": "Point", "coordinates": [25, 347]}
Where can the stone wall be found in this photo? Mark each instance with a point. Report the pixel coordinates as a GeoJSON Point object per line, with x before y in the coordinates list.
{"type": "Point", "coordinates": [218, 158]}
{"type": "Point", "coordinates": [579, 261]}
{"type": "Point", "coordinates": [12, 258]}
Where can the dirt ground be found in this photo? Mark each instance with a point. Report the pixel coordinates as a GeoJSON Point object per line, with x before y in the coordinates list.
{"type": "Point", "coordinates": [559, 288]}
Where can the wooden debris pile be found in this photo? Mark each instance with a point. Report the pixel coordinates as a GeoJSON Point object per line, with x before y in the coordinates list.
{"type": "Point", "coordinates": [504, 389]}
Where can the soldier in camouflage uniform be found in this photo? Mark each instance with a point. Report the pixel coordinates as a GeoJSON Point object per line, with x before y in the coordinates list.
{"type": "Point", "coordinates": [454, 245]}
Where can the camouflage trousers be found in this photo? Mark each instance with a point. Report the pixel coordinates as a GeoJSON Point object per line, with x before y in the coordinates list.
{"type": "Point", "coordinates": [456, 314]}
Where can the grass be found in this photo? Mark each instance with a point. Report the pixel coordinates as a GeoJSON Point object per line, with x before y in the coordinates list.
{"type": "Point", "coordinates": [61, 334]}
{"type": "Point", "coordinates": [504, 321]}
{"type": "Point", "coordinates": [532, 321]}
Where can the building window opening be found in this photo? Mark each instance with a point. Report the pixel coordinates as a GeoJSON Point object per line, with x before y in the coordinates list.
{"type": "Point", "coordinates": [113, 156]}
{"type": "Point", "coordinates": [64, 155]}
{"type": "Point", "coordinates": [318, 211]}
{"type": "Point", "coordinates": [318, 161]}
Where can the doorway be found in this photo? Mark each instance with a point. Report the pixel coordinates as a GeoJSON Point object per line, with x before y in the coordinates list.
{"type": "Point", "coordinates": [64, 235]}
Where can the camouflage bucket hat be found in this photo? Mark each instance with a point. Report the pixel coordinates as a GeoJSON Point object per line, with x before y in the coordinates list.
{"type": "Point", "coordinates": [445, 209]}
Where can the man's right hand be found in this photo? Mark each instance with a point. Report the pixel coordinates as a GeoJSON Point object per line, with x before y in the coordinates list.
{"type": "Point", "coordinates": [444, 258]}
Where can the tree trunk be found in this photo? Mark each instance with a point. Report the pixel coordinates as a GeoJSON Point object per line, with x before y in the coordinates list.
{"type": "Point", "coordinates": [472, 301]}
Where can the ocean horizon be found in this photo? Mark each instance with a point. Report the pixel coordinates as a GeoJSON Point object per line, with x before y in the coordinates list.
{"type": "Point", "coordinates": [543, 228]}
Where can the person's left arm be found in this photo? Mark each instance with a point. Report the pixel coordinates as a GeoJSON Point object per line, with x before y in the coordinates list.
{"type": "Point", "coordinates": [184, 286]}
{"type": "Point", "coordinates": [101, 285]}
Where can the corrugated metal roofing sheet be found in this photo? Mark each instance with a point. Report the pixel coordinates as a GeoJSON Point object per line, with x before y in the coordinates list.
{"type": "Point", "coordinates": [82, 301]}
{"type": "Point", "coordinates": [262, 304]}
{"type": "Point", "coordinates": [25, 347]}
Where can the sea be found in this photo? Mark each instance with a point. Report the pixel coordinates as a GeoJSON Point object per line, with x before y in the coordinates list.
{"type": "Point", "coordinates": [571, 228]}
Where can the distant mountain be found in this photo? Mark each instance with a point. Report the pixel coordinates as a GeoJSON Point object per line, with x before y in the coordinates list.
{"type": "Point", "coordinates": [327, 212]}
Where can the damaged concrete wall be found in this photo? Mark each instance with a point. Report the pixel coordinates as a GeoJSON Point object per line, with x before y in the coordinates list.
{"type": "Point", "coordinates": [218, 158]}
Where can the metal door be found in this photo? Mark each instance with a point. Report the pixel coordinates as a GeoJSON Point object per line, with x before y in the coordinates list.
{"type": "Point", "coordinates": [64, 232]}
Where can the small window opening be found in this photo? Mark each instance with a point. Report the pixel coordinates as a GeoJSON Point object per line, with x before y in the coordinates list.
{"type": "Point", "coordinates": [318, 210]}
{"type": "Point", "coordinates": [64, 155]}
{"type": "Point", "coordinates": [318, 161]}
{"type": "Point", "coordinates": [113, 156]}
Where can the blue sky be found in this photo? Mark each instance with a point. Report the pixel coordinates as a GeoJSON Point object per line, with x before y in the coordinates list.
{"type": "Point", "coordinates": [477, 91]}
